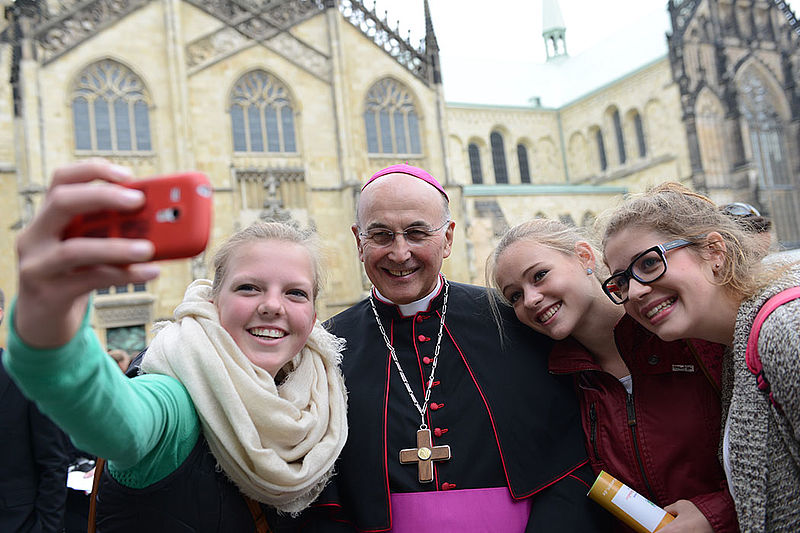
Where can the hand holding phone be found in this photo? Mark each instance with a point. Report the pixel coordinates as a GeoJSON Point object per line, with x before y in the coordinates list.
{"type": "Point", "coordinates": [176, 216]}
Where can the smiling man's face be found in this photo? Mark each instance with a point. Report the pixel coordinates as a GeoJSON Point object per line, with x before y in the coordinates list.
{"type": "Point", "coordinates": [401, 271]}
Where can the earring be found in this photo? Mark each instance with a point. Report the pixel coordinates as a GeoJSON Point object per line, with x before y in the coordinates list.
{"type": "Point", "coordinates": [589, 271]}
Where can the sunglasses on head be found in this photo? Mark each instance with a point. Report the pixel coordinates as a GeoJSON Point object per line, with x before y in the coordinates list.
{"type": "Point", "coordinates": [740, 209]}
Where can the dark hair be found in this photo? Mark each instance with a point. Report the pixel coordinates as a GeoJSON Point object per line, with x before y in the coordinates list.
{"type": "Point", "coordinates": [755, 224]}
{"type": "Point", "coordinates": [747, 216]}
{"type": "Point", "coordinates": [118, 354]}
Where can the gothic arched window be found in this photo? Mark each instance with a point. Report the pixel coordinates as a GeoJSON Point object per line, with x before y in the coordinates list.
{"type": "Point", "coordinates": [262, 117]}
{"type": "Point", "coordinates": [498, 157]}
{"type": "Point", "coordinates": [522, 159]}
{"type": "Point", "coordinates": [640, 141]}
{"type": "Point", "coordinates": [620, 137]}
{"type": "Point", "coordinates": [768, 135]}
{"type": "Point", "coordinates": [601, 149]}
{"type": "Point", "coordinates": [110, 109]}
{"type": "Point", "coordinates": [711, 139]}
{"type": "Point", "coordinates": [566, 219]}
{"type": "Point", "coordinates": [391, 121]}
{"type": "Point", "coordinates": [475, 163]}
{"type": "Point", "coordinates": [766, 129]}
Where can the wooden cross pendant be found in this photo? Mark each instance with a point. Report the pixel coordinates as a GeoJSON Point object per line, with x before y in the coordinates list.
{"type": "Point", "coordinates": [424, 455]}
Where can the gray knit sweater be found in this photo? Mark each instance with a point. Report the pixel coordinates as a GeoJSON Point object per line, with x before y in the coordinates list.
{"type": "Point", "coordinates": [765, 445]}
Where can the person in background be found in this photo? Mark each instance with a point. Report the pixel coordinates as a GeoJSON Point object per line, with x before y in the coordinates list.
{"type": "Point", "coordinates": [454, 426]}
{"type": "Point", "coordinates": [122, 358]}
{"type": "Point", "coordinates": [751, 220]}
{"type": "Point", "coordinates": [241, 409]}
{"type": "Point", "coordinates": [80, 477]}
{"type": "Point", "coordinates": [684, 269]}
{"type": "Point", "coordinates": [82, 468]}
{"type": "Point", "coordinates": [650, 408]}
{"type": "Point", "coordinates": [78, 498]}
{"type": "Point", "coordinates": [33, 462]}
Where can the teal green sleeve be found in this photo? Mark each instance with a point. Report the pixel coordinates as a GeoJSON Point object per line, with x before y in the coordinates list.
{"type": "Point", "coordinates": [145, 427]}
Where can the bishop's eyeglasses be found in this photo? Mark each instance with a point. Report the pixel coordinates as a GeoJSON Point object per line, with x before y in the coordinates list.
{"type": "Point", "coordinates": [414, 235]}
{"type": "Point", "coordinates": [645, 268]}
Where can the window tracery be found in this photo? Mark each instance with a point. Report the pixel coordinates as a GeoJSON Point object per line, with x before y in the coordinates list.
{"type": "Point", "coordinates": [262, 116]}
{"type": "Point", "coordinates": [110, 109]}
{"type": "Point", "coordinates": [767, 134]}
{"type": "Point", "coordinates": [391, 120]}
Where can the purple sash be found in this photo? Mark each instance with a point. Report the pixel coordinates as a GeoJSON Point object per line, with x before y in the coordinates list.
{"type": "Point", "coordinates": [465, 511]}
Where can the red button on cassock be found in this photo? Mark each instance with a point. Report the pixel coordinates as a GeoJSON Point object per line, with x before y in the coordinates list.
{"type": "Point", "coordinates": [436, 406]}
{"type": "Point", "coordinates": [423, 338]}
{"type": "Point", "coordinates": [440, 431]}
{"type": "Point", "coordinates": [427, 360]}
{"type": "Point", "coordinates": [448, 486]}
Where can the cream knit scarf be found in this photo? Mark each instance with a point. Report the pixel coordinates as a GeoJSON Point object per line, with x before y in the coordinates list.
{"type": "Point", "coordinates": [277, 443]}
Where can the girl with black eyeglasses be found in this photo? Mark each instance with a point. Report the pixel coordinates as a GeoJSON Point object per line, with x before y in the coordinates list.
{"type": "Point", "coordinates": [683, 268]}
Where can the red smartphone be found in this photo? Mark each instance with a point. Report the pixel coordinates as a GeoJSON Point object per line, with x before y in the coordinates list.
{"type": "Point", "coordinates": [176, 216]}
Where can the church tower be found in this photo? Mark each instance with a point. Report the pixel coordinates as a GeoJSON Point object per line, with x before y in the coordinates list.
{"type": "Point", "coordinates": [553, 30]}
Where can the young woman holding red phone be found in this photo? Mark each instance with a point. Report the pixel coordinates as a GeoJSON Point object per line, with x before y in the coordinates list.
{"type": "Point", "coordinates": [244, 372]}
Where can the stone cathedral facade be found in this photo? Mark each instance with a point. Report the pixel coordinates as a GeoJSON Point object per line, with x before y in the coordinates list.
{"type": "Point", "coordinates": [737, 66]}
{"type": "Point", "coordinates": [288, 105]}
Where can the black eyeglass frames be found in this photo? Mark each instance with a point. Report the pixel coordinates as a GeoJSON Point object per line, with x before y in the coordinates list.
{"type": "Point", "coordinates": [645, 268]}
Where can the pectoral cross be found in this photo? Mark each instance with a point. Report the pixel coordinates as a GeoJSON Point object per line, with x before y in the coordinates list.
{"type": "Point", "coordinates": [424, 455]}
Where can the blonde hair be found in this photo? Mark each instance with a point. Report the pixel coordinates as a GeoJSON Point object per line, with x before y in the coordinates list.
{"type": "Point", "coordinates": [268, 231]}
{"type": "Point", "coordinates": [680, 213]}
{"type": "Point", "coordinates": [544, 231]}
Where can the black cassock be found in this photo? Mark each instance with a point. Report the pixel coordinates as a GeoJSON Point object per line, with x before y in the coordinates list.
{"type": "Point", "coordinates": [508, 422]}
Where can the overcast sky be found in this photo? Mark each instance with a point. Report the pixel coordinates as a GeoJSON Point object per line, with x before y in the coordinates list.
{"type": "Point", "coordinates": [511, 30]}
{"type": "Point", "coordinates": [514, 27]}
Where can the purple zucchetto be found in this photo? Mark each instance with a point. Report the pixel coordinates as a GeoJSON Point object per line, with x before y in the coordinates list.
{"type": "Point", "coordinates": [411, 171]}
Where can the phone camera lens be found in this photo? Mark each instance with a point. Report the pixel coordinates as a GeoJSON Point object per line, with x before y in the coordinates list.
{"type": "Point", "coordinates": [168, 215]}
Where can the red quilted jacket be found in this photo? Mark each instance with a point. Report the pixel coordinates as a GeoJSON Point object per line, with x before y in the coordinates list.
{"type": "Point", "coordinates": [662, 439]}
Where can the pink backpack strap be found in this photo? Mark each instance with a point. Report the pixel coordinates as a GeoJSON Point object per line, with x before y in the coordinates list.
{"type": "Point", "coordinates": [752, 358]}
